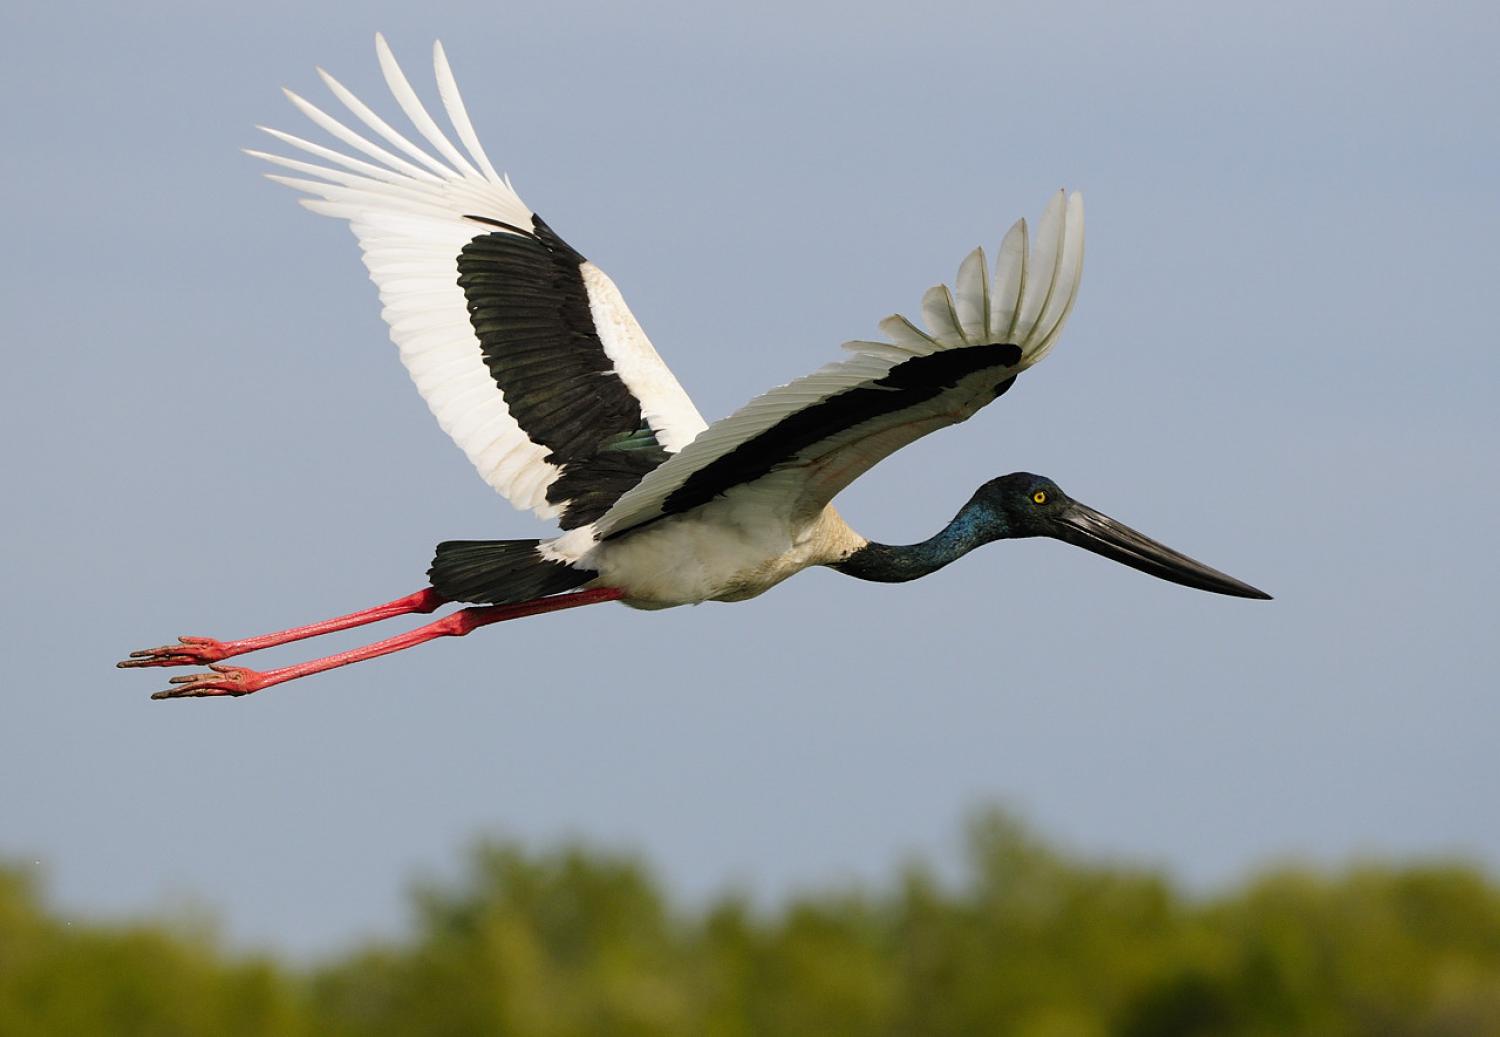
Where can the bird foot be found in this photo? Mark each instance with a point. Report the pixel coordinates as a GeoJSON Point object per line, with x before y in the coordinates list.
{"type": "Point", "coordinates": [231, 681]}
{"type": "Point", "coordinates": [188, 651]}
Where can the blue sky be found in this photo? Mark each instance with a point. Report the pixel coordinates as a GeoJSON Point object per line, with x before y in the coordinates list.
{"type": "Point", "coordinates": [1283, 362]}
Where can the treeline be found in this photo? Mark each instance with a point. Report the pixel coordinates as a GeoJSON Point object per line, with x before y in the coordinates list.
{"type": "Point", "coordinates": [1030, 942]}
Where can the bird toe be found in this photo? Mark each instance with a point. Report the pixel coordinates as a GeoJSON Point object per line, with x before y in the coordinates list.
{"type": "Point", "coordinates": [188, 651]}
{"type": "Point", "coordinates": [221, 681]}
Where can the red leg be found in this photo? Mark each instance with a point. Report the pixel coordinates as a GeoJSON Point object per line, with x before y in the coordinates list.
{"type": "Point", "coordinates": [235, 680]}
{"type": "Point", "coordinates": [198, 651]}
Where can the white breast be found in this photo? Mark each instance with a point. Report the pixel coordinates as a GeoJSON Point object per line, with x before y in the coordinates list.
{"type": "Point", "coordinates": [728, 550]}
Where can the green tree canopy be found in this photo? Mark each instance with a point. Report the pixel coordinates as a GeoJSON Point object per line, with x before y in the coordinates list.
{"type": "Point", "coordinates": [1030, 942]}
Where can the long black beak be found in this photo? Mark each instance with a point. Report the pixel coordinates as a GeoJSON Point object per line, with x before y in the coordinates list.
{"type": "Point", "coordinates": [1081, 525]}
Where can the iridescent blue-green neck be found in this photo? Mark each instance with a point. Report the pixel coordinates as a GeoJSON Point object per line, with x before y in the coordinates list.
{"type": "Point", "coordinates": [976, 524]}
{"type": "Point", "coordinates": [1025, 505]}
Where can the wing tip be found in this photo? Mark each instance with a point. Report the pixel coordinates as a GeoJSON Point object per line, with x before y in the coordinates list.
{"type": "Point", "coordinates": [1018, 303]}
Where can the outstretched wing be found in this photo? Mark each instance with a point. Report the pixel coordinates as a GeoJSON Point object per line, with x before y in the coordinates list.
{"type": "Point", "coordinates": [524, 350]}
{"type": "Point", "coordinates": [823, 431]}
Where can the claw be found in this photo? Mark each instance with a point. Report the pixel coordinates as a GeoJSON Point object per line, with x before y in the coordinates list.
{"type": "Point", "coordinates": [188, 651]}
{"type": "Point", "coordinates": [231, 681]}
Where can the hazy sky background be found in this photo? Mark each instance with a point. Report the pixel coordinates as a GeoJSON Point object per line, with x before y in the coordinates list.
{"type": "Point", "coordinates": [1284, 361]}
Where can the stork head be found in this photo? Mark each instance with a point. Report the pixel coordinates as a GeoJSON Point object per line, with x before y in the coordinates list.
{"type": "Point", "coordinates": [1025, 505]}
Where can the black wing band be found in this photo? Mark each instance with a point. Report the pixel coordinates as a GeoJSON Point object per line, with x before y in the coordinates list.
{"type": "Point", "coordinates": [529, 307]}
{"type": "Point", "coordinates": [908, 384]}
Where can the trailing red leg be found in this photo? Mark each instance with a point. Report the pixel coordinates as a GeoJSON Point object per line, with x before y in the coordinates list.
{"type": "Point", "coordinates": [236, 680]}
{"type": "Point", "coordinates": [198, 651]}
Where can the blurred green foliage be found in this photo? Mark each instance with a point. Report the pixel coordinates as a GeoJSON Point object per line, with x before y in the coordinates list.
{"type": "Point", "coordinates": [1031, 942]}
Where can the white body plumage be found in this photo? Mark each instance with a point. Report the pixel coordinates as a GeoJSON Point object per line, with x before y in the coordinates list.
{"type": "Point", "coordinates": [728, 550]}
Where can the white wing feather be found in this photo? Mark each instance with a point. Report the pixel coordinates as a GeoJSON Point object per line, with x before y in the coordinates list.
{"type": "Point", "coordinates": [409, 216]}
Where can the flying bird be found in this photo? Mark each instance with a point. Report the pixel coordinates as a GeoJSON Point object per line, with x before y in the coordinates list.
{"type": "Point", "coordinates": [530, 360]}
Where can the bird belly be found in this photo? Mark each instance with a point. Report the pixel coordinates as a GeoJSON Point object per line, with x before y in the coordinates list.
{"type": "Point", "coordinates": [717, 552]}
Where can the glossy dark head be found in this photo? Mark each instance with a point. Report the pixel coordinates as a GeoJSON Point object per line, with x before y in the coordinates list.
{"type": "Point", "coordinates": [1034, 506]}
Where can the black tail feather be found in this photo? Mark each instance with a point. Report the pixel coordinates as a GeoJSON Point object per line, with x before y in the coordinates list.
{"type": "Point", "coordinates": [500, 572]}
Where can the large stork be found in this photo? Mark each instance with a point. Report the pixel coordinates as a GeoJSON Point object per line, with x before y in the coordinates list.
{"type": "Point", "coordinates": [530, 359]}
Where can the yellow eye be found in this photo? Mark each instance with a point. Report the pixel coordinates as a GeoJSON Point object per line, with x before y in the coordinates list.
{"type": "Point", "coordinates": [1039, 497]}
